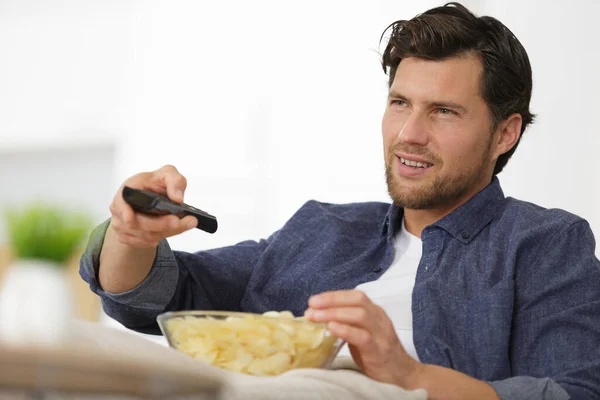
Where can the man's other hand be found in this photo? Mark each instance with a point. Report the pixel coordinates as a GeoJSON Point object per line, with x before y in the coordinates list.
{"type": "Point", "coordinates": [370, 334]}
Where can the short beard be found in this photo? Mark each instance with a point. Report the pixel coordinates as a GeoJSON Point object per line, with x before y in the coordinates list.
{"type": "Point", "coordinates": [444, 191]}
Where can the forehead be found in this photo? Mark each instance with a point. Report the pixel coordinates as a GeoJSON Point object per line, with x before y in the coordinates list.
{"type": "Point", "coordinates": [456, 78]}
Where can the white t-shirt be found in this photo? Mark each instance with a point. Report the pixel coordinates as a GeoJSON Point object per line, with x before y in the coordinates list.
{"type": "Point", "coordinates": [393, 290]}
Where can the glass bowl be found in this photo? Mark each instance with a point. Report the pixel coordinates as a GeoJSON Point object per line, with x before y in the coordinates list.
{"type": "Point", "coordinates": [255, 344]}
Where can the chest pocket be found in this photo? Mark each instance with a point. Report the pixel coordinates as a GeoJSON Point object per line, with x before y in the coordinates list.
{"type": "Point", "coordinates": [488, 331]}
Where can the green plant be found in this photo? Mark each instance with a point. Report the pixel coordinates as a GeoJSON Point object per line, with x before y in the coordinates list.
{"type": "Point", "coordinates": [46, 232]}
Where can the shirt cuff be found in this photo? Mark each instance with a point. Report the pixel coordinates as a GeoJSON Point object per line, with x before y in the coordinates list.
{"type": "Point", "coordinates": [529, 388]}
{"type": "Point", "coordinates": [153, 293]}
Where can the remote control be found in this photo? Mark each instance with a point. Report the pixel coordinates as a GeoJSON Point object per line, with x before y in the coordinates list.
{"type": "Point", "coordinates": [148, 202]}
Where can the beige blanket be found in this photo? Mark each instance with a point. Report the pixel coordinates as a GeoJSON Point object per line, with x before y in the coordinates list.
{"type": "Point", "coordinates": [340, 384]}
{"type": "Point", "coordinates": [98, 360]}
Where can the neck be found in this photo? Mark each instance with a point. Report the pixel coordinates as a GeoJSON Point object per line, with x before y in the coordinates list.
{"type": "Point", "coordinates": [416, 220]}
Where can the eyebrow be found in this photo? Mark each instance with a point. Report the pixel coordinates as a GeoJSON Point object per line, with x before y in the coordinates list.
{"type": "Point", "coordinates": [436, 104]}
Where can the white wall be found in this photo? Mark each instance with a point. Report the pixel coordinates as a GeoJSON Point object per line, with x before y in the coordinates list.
{"type": "Point", "coordinates": [62, 71]}
{"type": "Point", "coordinates": [266, 104]}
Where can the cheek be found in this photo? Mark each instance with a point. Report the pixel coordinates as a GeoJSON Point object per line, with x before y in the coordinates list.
{"type": "Point", "coordinates": [390, 126]}
{"type": "Point", "coordinates": [460, 151]}
{"type": "Point", "coordinates": [388, 138]}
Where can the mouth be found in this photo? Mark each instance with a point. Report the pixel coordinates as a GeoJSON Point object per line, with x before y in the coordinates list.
{"type": "Point", "coordinates": [415, 164]}
{"type": "Point", "coordinates": [412, 167]}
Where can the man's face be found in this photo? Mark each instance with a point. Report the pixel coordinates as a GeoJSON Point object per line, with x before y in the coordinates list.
{"type": "Point", "coordinates": [437, 122]}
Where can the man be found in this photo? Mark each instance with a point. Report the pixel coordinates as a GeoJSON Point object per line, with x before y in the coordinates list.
{"type": "Point", "coordinates": [490, 297]}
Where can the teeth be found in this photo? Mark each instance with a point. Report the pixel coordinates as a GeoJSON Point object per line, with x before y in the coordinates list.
{"type": "Point", "coordinates": [414, 164]}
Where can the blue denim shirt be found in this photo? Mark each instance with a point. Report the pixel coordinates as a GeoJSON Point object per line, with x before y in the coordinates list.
{"type": "Point", "coordinates": [506, 291]}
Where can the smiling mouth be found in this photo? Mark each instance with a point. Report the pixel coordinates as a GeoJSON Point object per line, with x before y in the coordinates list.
{"type": "Point", "coordinates": [414, 164]}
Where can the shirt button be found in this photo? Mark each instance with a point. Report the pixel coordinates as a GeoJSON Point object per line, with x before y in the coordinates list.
{"type": "Point", "coordinates": [377, 269]}
{"type": "Point", "coordinates": [464, 234]}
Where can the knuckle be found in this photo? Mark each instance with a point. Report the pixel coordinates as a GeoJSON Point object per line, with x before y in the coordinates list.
{"type": "Point", "coordinates": [178, 179]}
{"type": "Point", "coordinates": [116, 224]}
{"type": "Point", "coordinates": [362, 314]}
{"type": "Point", "coordinates": [341, 329]}
{"type": "Point", "coordinates": [134, 180]}
{"type": "Point", "coordinates": [366, 339]}
{"type": "Point", "coordinates": [362, 297]}
{"type": "Point", "coordinates": [168, 168]}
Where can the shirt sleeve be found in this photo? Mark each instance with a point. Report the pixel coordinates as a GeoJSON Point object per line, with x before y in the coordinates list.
{"type": "Point", "coordinates": [209, 280]}
{"type": "Point", "coordinates": [555, 346]}
{"type": "Point", "coordinates": [153, 293]}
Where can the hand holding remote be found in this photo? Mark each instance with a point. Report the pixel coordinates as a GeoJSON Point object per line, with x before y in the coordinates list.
{"type": "Point", "coordinates": [151, 203]}
{"type": "Point", "coordinates": [142, 230]}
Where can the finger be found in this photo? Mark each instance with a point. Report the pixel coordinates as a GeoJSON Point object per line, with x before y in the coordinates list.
{"type": "Point", "coordinates": [155, 228]}
{"type": "Point", "coordinates": [358, 337]}
{"type": "Point", "coordinates": [115, 213]}
{"type": "Point", "coordinates": [156, 224]}
{"type": "Point", "coordinates": [127, 213]}
{"type": "Point", "coordinates": [180, 226]}
{"type": "Point", "coordinates": [174, 183]}
{"type": "Point", "coordinates": [339, 298]}
{"type": "Point", "coordinates": [356, 316]}
{"type": "Point", "coordinates": [119, 207]}
{"type": "Point", "coordinates": [122, 211]}
{"type": "Point", "coordinates": [167, 225]}
{"type": "Point", "coordinates": [189, 222]}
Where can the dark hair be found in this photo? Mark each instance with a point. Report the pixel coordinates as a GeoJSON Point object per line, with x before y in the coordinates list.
{"type": "Point", "coordinates": [452, 30]}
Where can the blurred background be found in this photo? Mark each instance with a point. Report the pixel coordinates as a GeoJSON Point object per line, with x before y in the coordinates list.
{"type": "Point", "coordinates": [261, 104]}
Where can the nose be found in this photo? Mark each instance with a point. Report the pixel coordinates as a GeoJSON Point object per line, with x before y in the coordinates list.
{"type": "Point", "coordinates": [415, 130]}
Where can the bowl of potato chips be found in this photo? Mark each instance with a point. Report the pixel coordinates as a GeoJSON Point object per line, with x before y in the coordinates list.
{"type": "Point", "coordinates": [255, 344]}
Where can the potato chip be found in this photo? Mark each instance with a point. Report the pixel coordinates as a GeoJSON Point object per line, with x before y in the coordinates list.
{"type": "Point", "coordinates": [252, 344]}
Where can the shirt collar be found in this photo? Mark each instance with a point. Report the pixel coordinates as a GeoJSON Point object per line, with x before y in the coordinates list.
{"type": "Point", "coordinates": [391, 221]}
{"type": "Point", "coordinates": [466, 221]}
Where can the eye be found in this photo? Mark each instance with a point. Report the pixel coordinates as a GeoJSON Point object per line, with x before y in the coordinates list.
{"type": "Point", "coordinates": [400, 103]}
{"type": "Point", "coordinates": [445, 111]}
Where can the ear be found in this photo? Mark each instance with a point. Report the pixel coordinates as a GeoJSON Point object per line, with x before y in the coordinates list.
{"type": "Point", "coordinates": [509, 132]}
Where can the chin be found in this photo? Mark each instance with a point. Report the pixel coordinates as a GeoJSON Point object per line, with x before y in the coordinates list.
{"type": "Point", "coordinates": [413, 194]}
{"type": "Point", "coordinates": [408, 197]}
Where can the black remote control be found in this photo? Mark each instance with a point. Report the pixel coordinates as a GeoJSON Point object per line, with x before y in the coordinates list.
{"type": "Point", "coordinates": [148, 202]}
